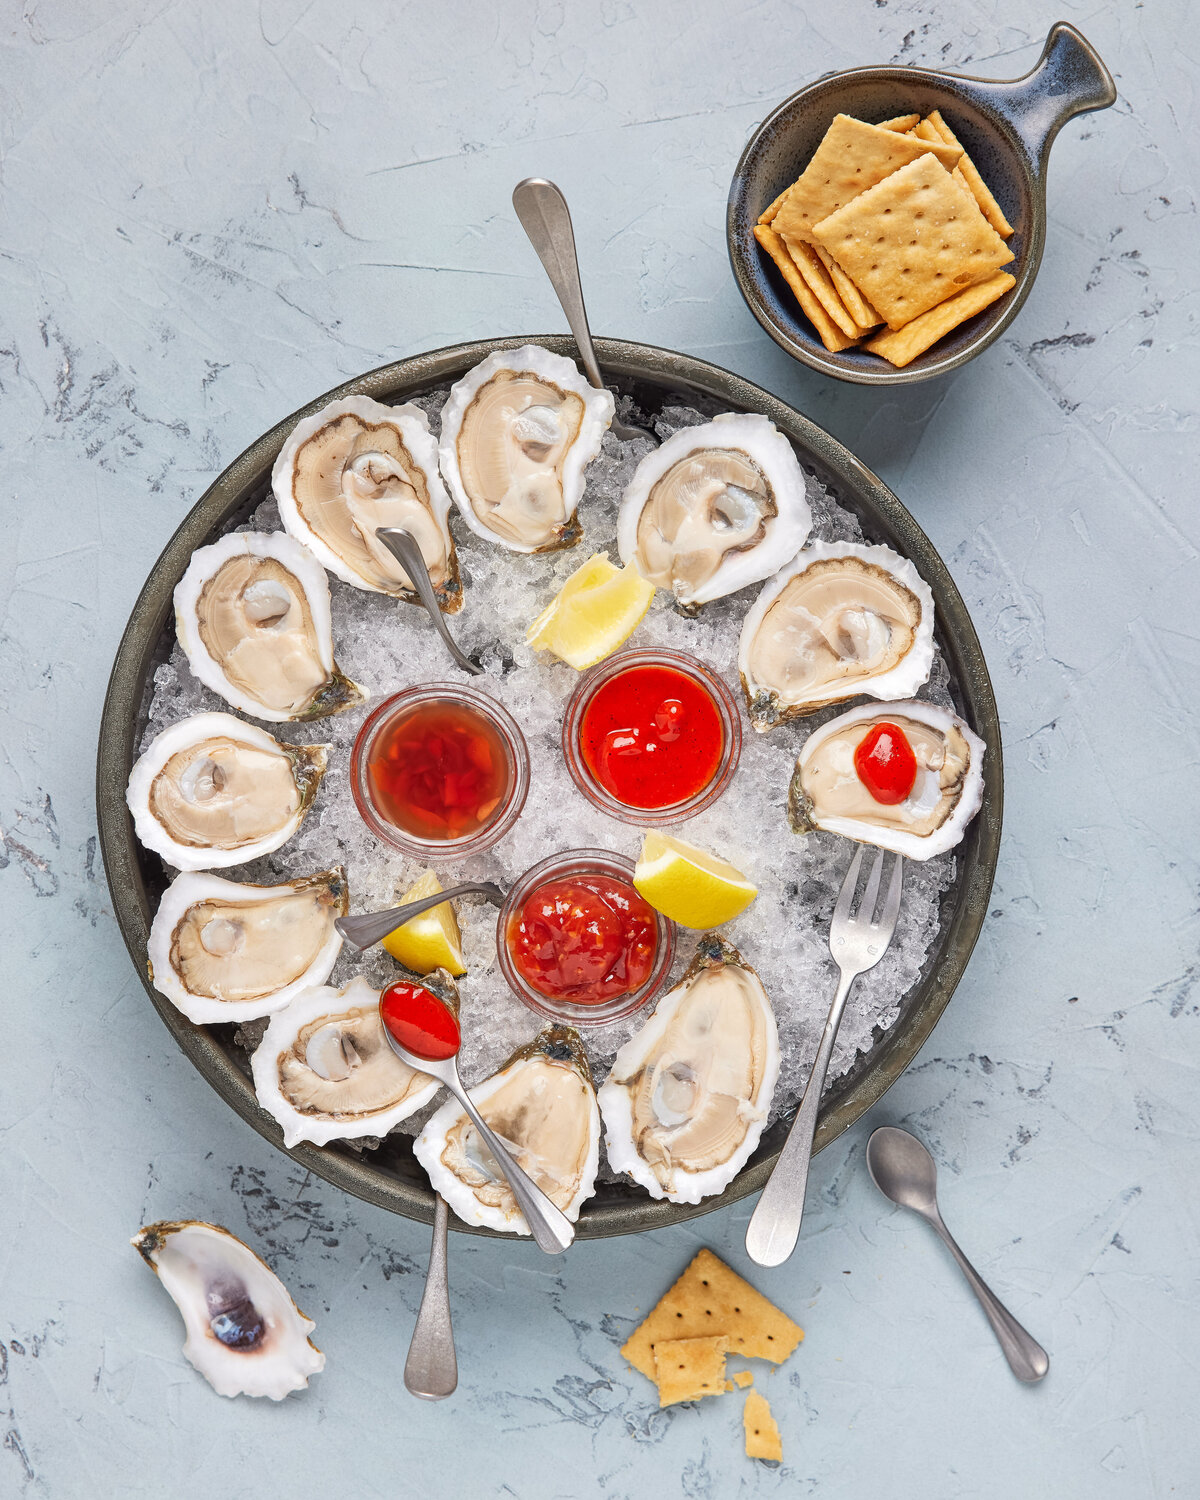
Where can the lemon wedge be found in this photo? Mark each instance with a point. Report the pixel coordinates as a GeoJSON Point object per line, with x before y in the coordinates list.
{"type": "Point", "coordinates": [597, 609]}
{"type": "Point", "coordinates": [689, 885]}
{"type": "Point", "coordinates": [430, 940]}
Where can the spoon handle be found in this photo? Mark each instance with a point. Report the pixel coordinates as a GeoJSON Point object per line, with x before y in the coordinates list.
{"type": "Point", "coordinates": [774, 1225]}
{"type": "Point", "coordinates": [1026, 1357]}
{"type": "Point", "coordinates": [431, 1369]}
{"type": "Point", "coordinates": [403, 547]}
{"type": "Point", "coordinates": [371, 927]}
{"type": "Point", "coordinates": [546, 219]}
{"type": "Point", "coordinates": [550, 1227]}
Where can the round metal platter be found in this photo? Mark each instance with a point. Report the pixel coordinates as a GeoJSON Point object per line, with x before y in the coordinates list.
{"type": "Point", "coordinates": [390, 1176]}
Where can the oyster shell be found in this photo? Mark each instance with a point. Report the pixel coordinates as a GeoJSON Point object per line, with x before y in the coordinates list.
{"type": "Point", "coordinates": [517, 433]}
{"type": "Point", "coordinates": [220, 951]}
{"type": "Point", "coordinates": [252, 615]}
{"type": "Point", "coordinates": [326, 1072]}
{"type": "Point", "coordinates": [717, 507]}
{"type": "Point", "coordinates": [687, 1097]}
{"type": "Point", "coordinates": [826, 791]}
{"type": "Point", "coordinates": [245, 1335]}
{"type": "Point", "coordinates": [357, 465]}
{"type": "Point", "coordinates": [542, 1104]}
{"type": "Point", "coordinates": [840, 620]}
{"type": "Point", "coordinates": [213, 791]}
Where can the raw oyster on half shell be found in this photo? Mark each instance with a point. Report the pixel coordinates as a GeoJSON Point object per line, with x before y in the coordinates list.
{"type": "Point", "coordinates": [213, 791]}
{"type": "Point", "coordinates": [325, 1070]}
{"type": "Point", "coordinates": [687, 1097]}
{"type": "Point", "coordinates": [717, 507]}
{"type": "Point", "coordinates": [518, 431]}
{"type": "Point", "coordinates": [827, 792]}
{"type": "Point", "coordinates": [245, 1335]}
{"type": "Point", "coordinates": [840, 620]}
{"type": "Point", "coordinates": [221, 951]}
{"type": "Point", "coordinates": [252, 616]}
{"type": "Point", "coordinates": [356, 466]}
{"type": "Point", "coordinates": [542, 1105]}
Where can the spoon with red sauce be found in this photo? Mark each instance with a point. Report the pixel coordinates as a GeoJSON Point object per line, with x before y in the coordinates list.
{"type": "Point", "coordinates": [424, 1033]}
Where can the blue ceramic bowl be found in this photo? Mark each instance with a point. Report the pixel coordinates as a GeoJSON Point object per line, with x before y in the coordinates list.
{"type": "Point", "coordinates": [1006, 127]}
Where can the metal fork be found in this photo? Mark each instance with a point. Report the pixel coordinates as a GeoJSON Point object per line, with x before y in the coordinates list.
{"type": "Point", "coordinates": [857, 941]}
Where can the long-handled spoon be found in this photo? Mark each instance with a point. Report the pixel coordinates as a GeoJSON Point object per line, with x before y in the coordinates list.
{"type": "Point", "coordinates": [404, 548]}
{"type": "Point", "coordinates": [371, 927]}
{"type": "Point", "coordinates": [546, 219]}
{"type": "Point", "coordinates": [549, 1226]}
{"type": "Point", "coordinates": [903, 1170]}
{"type": "Point", "coordinates": [431, 1369]}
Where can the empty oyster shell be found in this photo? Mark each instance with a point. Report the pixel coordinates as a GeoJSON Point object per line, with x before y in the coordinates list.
{"type": "Point", "coordinates": [357, 465]}
{"type": "Point", "coordinates": [826, 791]}
{"type": "Point", "coordinates": [687, 1098]}
{"type": "Point", "coordinates": [717, 507]}
{"type": "Point", "coordinates": [517, 433]}
{"type": "Point", "coordinates": [326, 1072]}
{"type": "Point", "coordinates": [220, 951]}
{"type": "Point", "coordinates": [542, 1105]}
{"type": "Point", "coordinates": [252, 615]}
{"type": "Point", "coordinates": [245, 1335]}
{"type": "Point", "coordinates": [841, 619]}
{"type": "Point", "coordinates": [213, 791]}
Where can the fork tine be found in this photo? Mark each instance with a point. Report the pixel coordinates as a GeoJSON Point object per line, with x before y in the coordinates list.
{"type": "Point", "coordinates": [841, 911]}
{"type": "Point", "coordinates": [866, 912]}
{"type": "Point", "coordinates": [891, 905]}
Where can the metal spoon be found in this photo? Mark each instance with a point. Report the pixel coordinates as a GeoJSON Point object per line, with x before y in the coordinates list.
{"type": "Point", "coordinates": [546, 219]}
{"type": "Point", "coordinates": [431, 1369]}
{"type": "Point", "coordinates": [550, 1227]}
{"type": "Point", "coordinates": [371, 927]}
{"type": "Point", "coordinates": [903, 1170]}
{"type": "Point", "coordinates": [404, 548]}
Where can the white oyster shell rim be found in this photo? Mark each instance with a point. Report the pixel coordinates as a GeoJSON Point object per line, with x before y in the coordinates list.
{"type": "Point", "coordinates": [905, 678]}
{"type": "Point", "coordinates": [599, 407]}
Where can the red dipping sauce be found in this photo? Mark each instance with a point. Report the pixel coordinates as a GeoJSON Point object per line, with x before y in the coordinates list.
{"type": "Point", "coordinates": [652, 736]}
{"type": "Point", "coordinates": [438, 771]}
{"type": "Point", "coordinates": [587, 938]}
{"type": "Point", "coordinates": [420, 1022]}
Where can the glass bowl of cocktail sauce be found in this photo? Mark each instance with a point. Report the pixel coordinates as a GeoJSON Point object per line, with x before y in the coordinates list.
{"type": "Point", "coordinates": [440, 771]}
{"type": "Point", "coordinates": [578, 944]}
{"type": "Point", "coordinates": [651, 737]}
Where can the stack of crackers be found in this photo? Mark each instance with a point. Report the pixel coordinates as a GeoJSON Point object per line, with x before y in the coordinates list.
{"type": "Point", "coordinates": [711, 1312]}
{"type": "Point", "coordinates": [889, 224]}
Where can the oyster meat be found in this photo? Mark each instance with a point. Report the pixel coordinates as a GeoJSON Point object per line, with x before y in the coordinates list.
{"type": "Point", "coordinates": [687, 1098]}
{"type": "Point", "coordinates": [212, 791]}
{"type": "Point", "coordinates": [325, 1070]}
{"type": "Point", "coordinates": [220, 951]}
{"type": "Point", "coordinates": [717, 507]}
{"type": "Point", "coordinates": [841, 619]}
{"type": "Point", "coordinates": [517, 433]}
{"type": "Point", "coordinates": [252, 615]}
{"type": "Point", "coordinates": [356, 466]}
{"type": "Point", "coordinates": [542, 1105]}
{"type": "Point", "coordinates": [245, 1335]}
{"type": "Point", "coordinates": [827, 792]}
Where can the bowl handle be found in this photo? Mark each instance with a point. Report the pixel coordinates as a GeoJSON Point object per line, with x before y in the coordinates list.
{"type": "Point", "coordinates": [1069, 79]}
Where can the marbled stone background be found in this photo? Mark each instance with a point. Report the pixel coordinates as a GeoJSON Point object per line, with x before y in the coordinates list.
{"type": "Point", "coordinates": [212, 212]}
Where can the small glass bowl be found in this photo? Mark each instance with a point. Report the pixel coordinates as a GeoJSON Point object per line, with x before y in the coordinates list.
{"type": "Point", "coordinates": [576, 862]}
{"type": "Point", "coordinates": [503, 816]}
{"type": "Point", "coordinates": [601, 797]}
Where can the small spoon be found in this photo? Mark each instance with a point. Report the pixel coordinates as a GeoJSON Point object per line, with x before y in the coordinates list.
{"type": "Point", "coordinates": [371, 927]}
{"type": "Point", "coordinates": [903, 1170]}
{"type": "Point", "coordinates": [404, 548]}
{"type": "Point", "coordinates": [546, 219]}
{"type": "Point", "coordinates": [431, 1369]}
{"type": "Point", "coordinates": [549, 1226]}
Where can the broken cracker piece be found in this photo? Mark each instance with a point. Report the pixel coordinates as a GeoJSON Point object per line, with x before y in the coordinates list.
{"type": "Point", "coordinates": [903, 345]}
{"type": "Point", "coordinates": [710, 1300]}
{"type": "Point", "coordinates": [983, 195]}
{"type": "Point", "coordinates": [687, 1369]}
{"type": "Point", "coordinates": [827, 330]}
{"type": "Point", "coordinates": [762, 1434]}
{"type": "Point", "coordinates": [742, 1378]}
